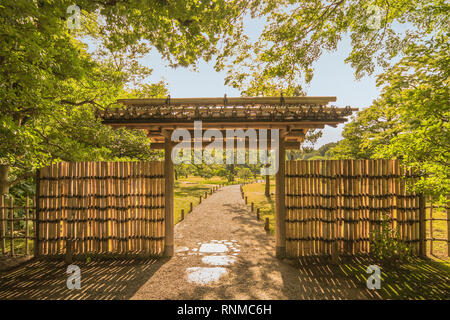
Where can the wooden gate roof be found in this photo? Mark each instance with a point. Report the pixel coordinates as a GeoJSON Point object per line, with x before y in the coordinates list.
{"type": "Point", "coordinates": [294, 114]}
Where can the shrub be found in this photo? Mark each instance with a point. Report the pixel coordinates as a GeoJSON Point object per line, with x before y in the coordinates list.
{"type": "Point", "coordinates": [386, 245]}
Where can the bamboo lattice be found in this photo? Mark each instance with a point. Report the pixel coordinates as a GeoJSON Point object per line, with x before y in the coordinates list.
{"type": "Point", "coordinates": [102, 208]}
{"type": "Point", "coordinates": [343, 201]}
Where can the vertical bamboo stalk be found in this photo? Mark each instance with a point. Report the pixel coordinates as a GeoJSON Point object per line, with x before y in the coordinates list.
{"type": "Point", "coordinates": [162, 201]}
{"type": "Point", "coordinates": [422, 226]}
{"type": "Point", "coordinates": [324, 209]}
{"type": "Point", "coordinates": [3, 222]}
{"type": "Point", "coordinates": [58, 202]}
{"type": "Point", "coordinates": [431, 225]}
{"type": "Point", "coordinates": [37, 215]}
{"type": "Point", "coordinates": [152, 186]}
{"type": "Point", "coordinates": [54, 212]}
{"type": "Point", "coordinates": [305, 202]}
{"type": "Point", "coordinates": [27, 225]}
{"type": "Point", "coordinates": [11, 226]}
{"type": "Point", "coordinates": [448, 226]}
{"type": "Point", "coordinates": [296, 204]}
{"type": "Point", "coordinates": [289, 225]}
{"type": "Point", "coordinates": [69, 240]}
{"type": "Point", "coordinates": [152, 189]}
{"type": "Point", "coordinates": [334, 226]}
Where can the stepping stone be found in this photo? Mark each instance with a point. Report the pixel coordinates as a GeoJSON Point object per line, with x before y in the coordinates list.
{"type": "Point", "coordinates": [213, 248]}
{"type": "Point", "coordinates": [219, 260]}
{"type": "Point", "coordinates": [199, 275]}
{"type": "Point", "coordinates": [183, 249]}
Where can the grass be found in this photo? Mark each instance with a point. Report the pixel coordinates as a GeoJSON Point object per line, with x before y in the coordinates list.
{"type": "Point", "coordinates": [255, 193]}
{"type": "Point", "coordinates": [419, 279]}
{"type": "Point", "coordinates": [439, 231]}
{"type": "Point", "coordinates": [19, 245]}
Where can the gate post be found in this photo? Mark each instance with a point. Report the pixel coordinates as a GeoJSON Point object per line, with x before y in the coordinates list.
{"type": "Point", "coordinates": [168, 195]}
{"type": "Point", "coordinates": [280, 217]}
{"type": "Point", "coordinates": [422, 226]}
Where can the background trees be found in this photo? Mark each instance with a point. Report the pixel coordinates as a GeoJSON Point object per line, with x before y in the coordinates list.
{"type": "Point", "coordinates": [410, 120]}
{"type": "Point", "coordinates": [53, 76]}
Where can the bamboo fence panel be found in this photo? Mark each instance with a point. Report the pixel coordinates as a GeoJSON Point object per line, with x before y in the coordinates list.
{"type": "Point", "coordinates": [344, 201]}
{"type": "Point", "coordinates": [18, 226]}
{"type": "Point", "coordinates": [102, 208]}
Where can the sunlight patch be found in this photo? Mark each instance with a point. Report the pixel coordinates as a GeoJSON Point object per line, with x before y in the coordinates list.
{"type": "Point", "coordinates": [213, 248]}
{"type": "Point", "coordinates": [219, 260]}
{"type": "Point", "coordinates": [200, 275]}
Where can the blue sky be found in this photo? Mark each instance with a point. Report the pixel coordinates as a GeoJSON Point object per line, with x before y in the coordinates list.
{"type": "Point", "coordinates": [332, 78]}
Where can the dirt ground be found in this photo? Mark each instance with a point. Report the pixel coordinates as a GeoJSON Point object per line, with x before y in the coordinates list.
{"type": "Point", "coordinates": [222, 252]}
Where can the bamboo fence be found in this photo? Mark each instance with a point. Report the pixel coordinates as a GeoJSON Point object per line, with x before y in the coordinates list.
{"type": "Point", "coordinates": [101, 208]}
{"type": "Point", "coordinates": [16, 237]}
{"type": "Point", "coordinates": [432, 210]}
{"type": "Point", "coordinates": [341, 202]}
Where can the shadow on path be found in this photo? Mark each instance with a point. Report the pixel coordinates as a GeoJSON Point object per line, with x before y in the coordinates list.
{"type": "Point", "coordinates": [105, 279]}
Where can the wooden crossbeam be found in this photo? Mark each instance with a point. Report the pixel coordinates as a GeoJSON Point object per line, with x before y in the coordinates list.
{"type": "Point", "coordinates": [288, 145]}
{"type": "Point", "coordinates": [228, 101]}
{"type": "Point", "coordinates": [226, 125]}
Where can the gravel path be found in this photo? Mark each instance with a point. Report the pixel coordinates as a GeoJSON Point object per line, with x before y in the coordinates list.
{"type": "Point", "coordinates": [222, 252]}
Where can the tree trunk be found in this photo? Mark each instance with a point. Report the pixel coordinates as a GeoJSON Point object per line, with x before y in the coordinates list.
{"type": "Point", "coordinates": [4, 184]}
{"type": "Point", "coordinates": [267, 190]}
{"type": "Point", "coordinates": [176, 174]}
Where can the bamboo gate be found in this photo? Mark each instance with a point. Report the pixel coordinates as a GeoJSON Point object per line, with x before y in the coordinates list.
{"type": "Point", "coordinates": [101, 208]}
{"type": "Point", "coordinates": [338, 203]}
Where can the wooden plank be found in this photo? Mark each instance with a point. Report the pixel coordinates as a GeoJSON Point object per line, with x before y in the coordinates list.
{"type": "Point", "coordinates": [188, 124]}
{"type": "Point", "coordinates": [288, 145]}
{"type": "Point", "coordinates": [168, 191]}
{"type": "Point", "coordinates": [280, 218]}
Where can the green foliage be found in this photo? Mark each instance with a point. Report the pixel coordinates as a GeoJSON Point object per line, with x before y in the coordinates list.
{"type": "Point", "coordinates": [410, 121]}
{"type": "Point", "coordinates": [310, 154]}
{"type": "Point", "coordinates": [386, 245]}
{"type": "Point", "coordinates": [296, 33]}
{"type": "Point", "coordinates": [245, 174]}
{"type": "Point", "coordinates": [52, 82]}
